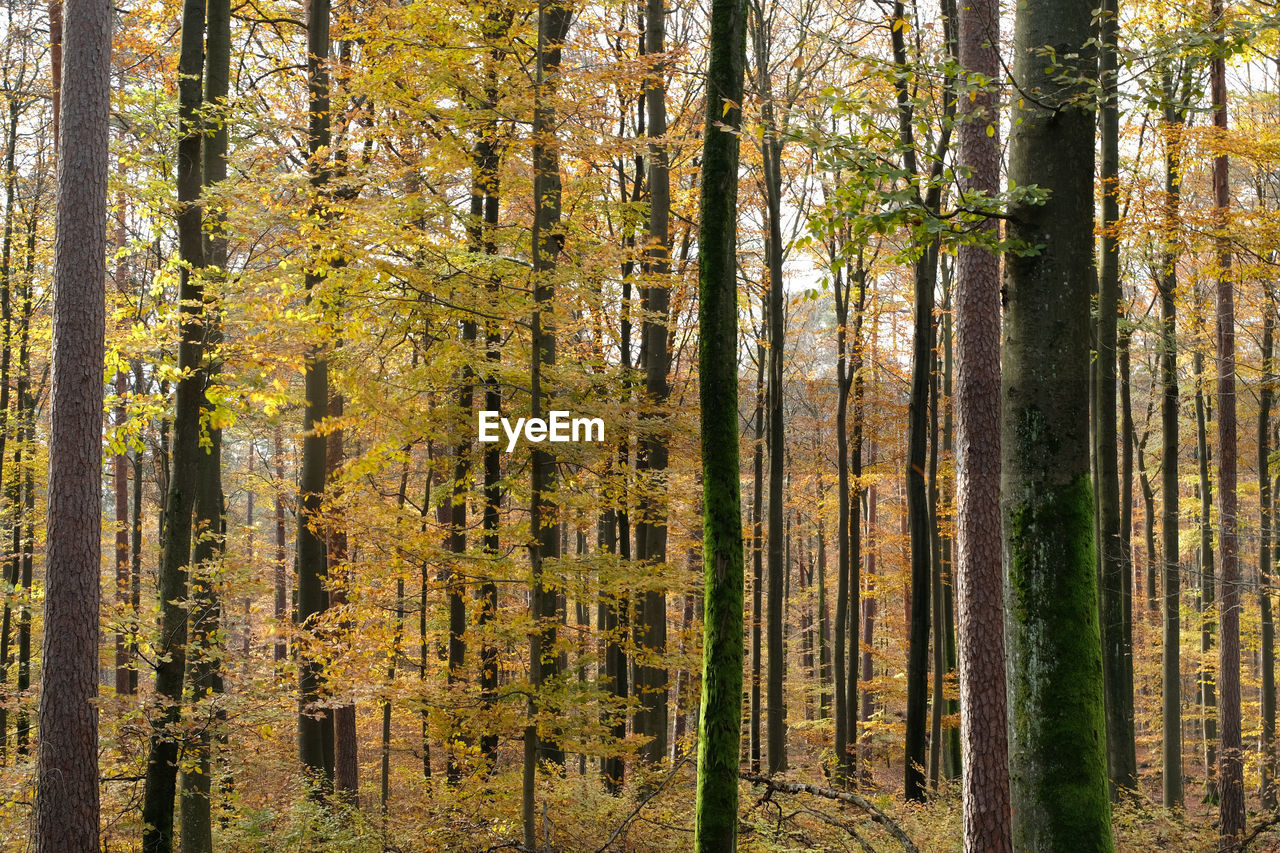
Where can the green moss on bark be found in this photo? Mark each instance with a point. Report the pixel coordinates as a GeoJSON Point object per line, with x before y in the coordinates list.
{"type": "Point", "coordinates": [1056, 722]}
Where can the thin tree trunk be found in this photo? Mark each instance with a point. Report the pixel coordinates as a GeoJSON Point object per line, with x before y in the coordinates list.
{"type": "Point", "coordinates": [655, 359]}
{"type": "Point", "coordinates": [1265, 392]}
{"type": "Point", "coordinates": [1206, 608]}
{"type": "Point", "coordinates": [1231, 812]}
{"type": "Point", "coordinates": [1115, 581]}
{"type": "Point", "coordinates": [757, 548]}
{"type": "Point", "coordinates": [281, 611]}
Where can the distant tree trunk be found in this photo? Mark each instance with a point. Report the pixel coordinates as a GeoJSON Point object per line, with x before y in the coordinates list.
{"type": "Point", "coordinates": [925, 275]}
{"type": "Point", "coordinates": [346, 766]}
{"type": "Point", "coordinates": [978, 572]}
{"type": "Point", "coordinates": [868, 635]}
{"type": "Point", "coordinates": [824, 619]}
{"type": "Point", "coordinates": [1231, 812]}
{"type": "Point", "coordinates": [162, 759]}
{"type": "Point", "coordinates": [952, 764]}
{"type": "Point", "coordinates": [719, 720]}
{"type": "Point", "coordinates": [1057, 726]}
{"type": "Point", "coordinates": [757, 546]}
{"type": "Point", "coordinates": [843, 627]}
{"type": "Point", "coordinates": [450, 572]}
{"type": "Point", "coordinates": [1171, 676]}
{"type": "Point", "coordinates": [281, 610]}
{"type": "Point", "coordinates": [1126, 470]}
{"type": "Point", "coordinates": [655, 360]}
{"type": "Point", "coordinates": [315, 722]}
{"type": "Point", "coordinates": [937, 592]}
{"type": "Point", "coordinates": [547, 241]}
{"type": "Point", "coordinates": [25, 543]}
{"type": "Point", "coordinates": [66, 809]}
{"type": "Point", "coordinates": [1206, 607]}
{"type": "Point", "coordinates": [1265, 392]}
{"type": "Point", "coordinates": [1115, 580]}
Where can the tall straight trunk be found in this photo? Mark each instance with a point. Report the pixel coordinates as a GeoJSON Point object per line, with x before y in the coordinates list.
{"type": "Point", "coordinates": [162, 758]}
{"type": "Point", "coordinates": [135, 542]}
{"type": "Point", "coordinates": [384, 793]}
{"type": "Point", "coordinates": [757, 547]}
{"type": "Point", "coordinates": [939, 656]}
{"type": "Point", "coordinates": [952, 764]}
{"type": "Point", "coordinates": [925, 279]}
{"type": "Point", "coordinates": [485, 196]}
{"type": "Point", "coordinates": [655, 360]}
{"type": "Point", "coordinates": [1126, 472]}
{"type": "Point", "coordinates": [450, 574]}
{"type": "Point", "coordinates": [424, 645]}
{"type": "Point", "coordinates": [719, 719]}
{"type": "Point", "coordinates": [1231, 812]}
{"type": "Point", "coordinates": [547, 241]}
{"type": "Point", "coordinates": [1171, 673]}
{"type": "Point", "coordinates": [315, 722]}
{"type": "Point", "coordinates": [66, 809]}
{"type": "Point", "coordinates": [1115, 584]}
{"type": "Point", "coordinates": [1148, 526]}
{"type": "Point", "coordinates": [1265, 392]}
{"type": "Point", "coordinates": [776, 568]}
{"type": "Point", "coordinates": [1206, 605]}
{"type": "Point", "coordinates": [824, 618]}
{"type": "Point", "coordinates": [6, 345]}
{"type": "Point", "coordinates": [868, 636]}
{"type": "Point", "coordinates": [25, 543]}
{"type": "Point", "coordinates": [978, 572]}
{"type": "Point", "coordinates": [120, 485]}
{"type": "Point", "coordinates": [1057, 726]}
{"type": "Point", "coordinates": [346, 767]}
{"type": "Point", "coordinates": [204, 670]}
{"type": "Point", "coordinates": [279, 576]}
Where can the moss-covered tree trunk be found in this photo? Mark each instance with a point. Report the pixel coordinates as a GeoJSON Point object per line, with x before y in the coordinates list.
{"type": "Point", "coordinates": [1057, 727]}
{"type": "Point", "coordinates": [720, 715]}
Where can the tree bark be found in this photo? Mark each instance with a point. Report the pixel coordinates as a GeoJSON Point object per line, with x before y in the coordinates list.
{"type": "Point", "coordinates": [1265, 393]}
{"type": "Point", "coordinates": [978, 572]}
{"type": "Point", "coordinates": [162, 759]}
{"type": "Point", "coordinates": [1057, 734]}
{"type": "Point", "coordinates": [1231, 810]}
{"type": "Point", "coordinates": [66, 809]}
{"type": "Point", "coordinates": [1115, 581]}
{"type": "Point", "coordinates": [720, 717]}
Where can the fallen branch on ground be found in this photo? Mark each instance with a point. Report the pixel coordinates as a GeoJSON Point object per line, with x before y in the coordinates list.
{"type": "Point", "coordinates": [890, 825]}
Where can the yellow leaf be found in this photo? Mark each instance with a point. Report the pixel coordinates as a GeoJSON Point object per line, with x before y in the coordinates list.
{"type": "Point", "coordinates": [991, 130]}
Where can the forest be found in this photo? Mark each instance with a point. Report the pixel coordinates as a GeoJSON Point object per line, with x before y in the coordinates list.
{"type": "Point", "coordinates": [579, 425]}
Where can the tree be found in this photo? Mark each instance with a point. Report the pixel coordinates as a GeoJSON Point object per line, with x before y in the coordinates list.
{"type": "Point", "coordinates": [66, 810]}
{"type": "Point", "coordinates": [1115, 581]}
{"type": "Point", "coordinates": [1231, 807]}
{"type": "Point", "coordinates": [180, 501]}
{"type": "Point", "coordinates": [720, 714]}
{"type": "Point", "coordinates": [978, 574]}
{"type": "Point", "coordinates": [1057, 735]}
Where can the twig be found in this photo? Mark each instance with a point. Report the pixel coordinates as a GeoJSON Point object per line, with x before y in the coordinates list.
{"type": "Point", "coordinates": [891, 826]}
{"type": "Point", "coordinates": [644, 802]}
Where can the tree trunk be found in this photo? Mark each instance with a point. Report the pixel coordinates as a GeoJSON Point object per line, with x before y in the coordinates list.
{"type": "Point", "coordinates": [757, 547]}
{"type": "Point", "coordinates": [1115, 583]}
{"type": "Point", "coordinates": [66, 809]}
{"type": "Point", "coordinates": [1057, 727]}
{"type": "Point", "coordinates": [1265, 392]}
{"type": "Point", "coordinates": [547, 241]}
{"type": "Point", "coordinates": [1206, 606]}
{"type": "Point", "coordinates": [1171, 677]}
{"type": "Point", "coordinates": [721, 711]}
{"type": "Point", "coordinates": [978, 572]}
{"type": "Point", "coordinates": [281, 610]}
{"type": "Point", "coordinates": [1231, 812]}
{"type": "Point", "coordinates": [315, 723]}
{"type": "Point", "coordinates": [162, 759]}
{"type": "Point", "coordinates": [655, 360]}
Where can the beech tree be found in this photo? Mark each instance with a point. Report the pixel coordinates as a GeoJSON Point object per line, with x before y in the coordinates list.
{"type": "Point", "coordinates": [1057, 729]}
